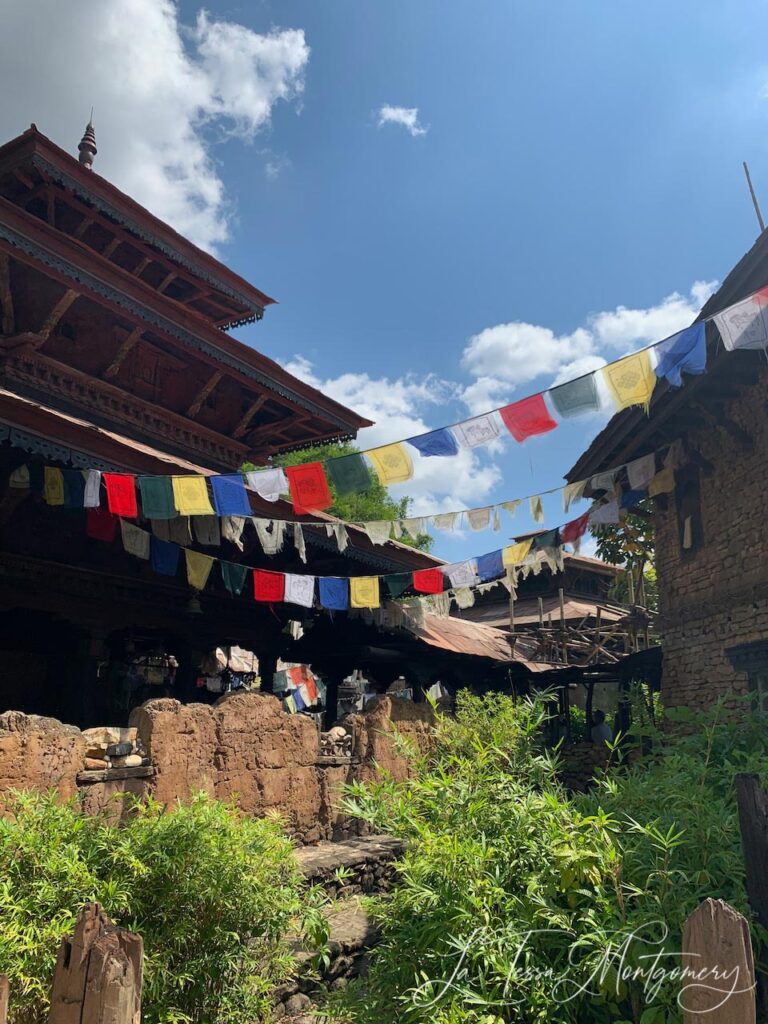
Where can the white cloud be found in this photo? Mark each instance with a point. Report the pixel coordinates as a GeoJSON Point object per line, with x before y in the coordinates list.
{"type": "Point", "coordinates": [519, 352]}
{"type": "Point", "coordinates": [408, 117]}
{"type": "Point", "coordinates": [161, 92]}
{"type": "Point", "coordinates": [624, 328]}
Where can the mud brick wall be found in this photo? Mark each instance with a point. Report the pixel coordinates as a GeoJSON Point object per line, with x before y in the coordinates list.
{"type": "Point", "coordinates": [717, 597]}
{"type": "Point", "coordinates": [39, 753]}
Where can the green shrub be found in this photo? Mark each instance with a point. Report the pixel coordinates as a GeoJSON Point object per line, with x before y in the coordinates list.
{"type": "Point", "coordinates": [514, 899]}
{"type": "Point", "coordinates": [211, 891]}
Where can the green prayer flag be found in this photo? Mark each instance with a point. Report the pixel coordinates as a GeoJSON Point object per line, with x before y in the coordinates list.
{"type": "Point", "coordinates": [398, 582]}
{"type": "Point", "coordinates": [349, 474]}
{"type": "Point", "coordinates": [157, 497]}
{"type": "Point", "coordinates": [575, 397]}
{"type": "Point", "coordinates": [233, 576]}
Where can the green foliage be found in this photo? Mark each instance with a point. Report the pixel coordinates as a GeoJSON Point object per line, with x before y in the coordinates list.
{"type": "Point", "coordinates": [372, 504]}
{"type": "Point", "coordinates": [211, 891]}
{"type": "Point", "coordinates": [518, 903]}
{"type": "Point", "coordinates": [631, 543]}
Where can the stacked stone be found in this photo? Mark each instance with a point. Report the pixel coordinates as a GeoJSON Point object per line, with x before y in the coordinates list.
{"type": "Point", "coordinates": [109, 746]}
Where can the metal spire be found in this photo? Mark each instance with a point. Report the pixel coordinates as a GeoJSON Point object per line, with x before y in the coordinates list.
{"type": "Point", "coordinates": [87, 148]}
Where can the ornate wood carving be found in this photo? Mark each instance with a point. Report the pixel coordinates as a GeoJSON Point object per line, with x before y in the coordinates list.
{"type": "Point", "coordinates": [203, 393]}
{"type": "Point", "coordinates": [6, 298]}
{"type": "Point", "coordinates": [58, 311]}
{"type": "Point", "coordinates": [126, 346]}
{"type": "Point", "coordinates": [250, 412]}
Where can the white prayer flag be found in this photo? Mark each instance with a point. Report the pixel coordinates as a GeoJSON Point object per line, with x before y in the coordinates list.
{"type": "Point", "coordinates": [743, 325]}
{"type": "Point", "coordinates": [269, 483]}
{"type": "Point", "coordinates": [378, 532]}
{"type": "Point", "coordinates": [479, 518]}
{"type": "Point", "coordinates": [537, 509]}
{"type": "Point", "coordinates": [91, 498]}
{"type": "Point", "coordinates": [605, 515]}
{"type": "Point", "coordinates": [573, 492]}
{"type": "Point", "coordinates": [477, 431]}
{"type": "Point", "coordinates": [463, 574]}
{"type": "Point", "coordinates": [641, 471]}
{"type": "Point", "coordinates": [445, 521]}
{"type": "Point", "coordinates": [300, 590]}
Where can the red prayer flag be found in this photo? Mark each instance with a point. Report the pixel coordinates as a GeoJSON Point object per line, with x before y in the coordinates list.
{"type": "Point", "coordinates": [528, 417]}
{"type": "Point", "coordinates": [428, 581]}
{"type": "Point", "coordinates": [100, 524]}
{"type": "Point", "coordinates": [121, 494]}
{"type": "Point", "coordinates": [575, 529]}
{"type": "Point", "coordinates": [309, 487]}
{"type": "Point", "coordinates": [309, 682]}
{"type": "Point", "coordinates": [268, 586]}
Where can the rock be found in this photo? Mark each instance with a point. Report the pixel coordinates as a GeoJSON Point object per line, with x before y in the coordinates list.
{"type": "Point", "coordinates": [119, 749]}
{"type": "Point", "coordinates": [39, 753]}
{"type": "Point", "coordinates": [127, 761]}
{"type": "Point", "coordinates": [95, 764]}
{"type": "Point", "coordinates": [297, 1003]}
{"type": "Point", "coordinates": [98, 740]}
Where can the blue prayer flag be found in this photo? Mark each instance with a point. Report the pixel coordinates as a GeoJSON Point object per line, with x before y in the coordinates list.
{"type": "Point", "coordinates": [164, 556]}
{"type": "Point", "coordinates": [230, 497]}
{"type": "Point", "coordinates": [334, 593]}
{"type": "Point", "coordinates": [438, 442]}
{"type": "Point", "coordinates": [684, 352]}
{"type": "Point", "coordinates": [630, 498]}
{"type": "Point", "coordinates": [490, 566]}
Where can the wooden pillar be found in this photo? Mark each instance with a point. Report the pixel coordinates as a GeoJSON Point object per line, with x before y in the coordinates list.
{"type": "Point", "coordinates": [716, 943]}
{"type": "Point", "coordinates": [3, 999]}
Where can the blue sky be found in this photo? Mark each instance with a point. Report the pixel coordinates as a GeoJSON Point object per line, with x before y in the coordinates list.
{"type": "Point", "coordinates": [576, 182]}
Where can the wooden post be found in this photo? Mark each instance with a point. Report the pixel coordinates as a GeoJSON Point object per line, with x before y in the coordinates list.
{"type": "Point", "coordinates": [590, 702]}
{"type": "Point", "coordinates": [717, 949]}
{"type": "Point", "coordinates": [98, 973]}
{"type": "Point", "coordinates": [541, 612]}
{"type": "Point", "coordinates": [511, 583]}
{"type": "Point", "coordinates": [3, 999]}
{"type": "Point", "coordinates": [561, 595]}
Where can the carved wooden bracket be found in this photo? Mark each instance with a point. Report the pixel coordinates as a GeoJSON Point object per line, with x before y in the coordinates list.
{"type": "Point", "coordinates": [203, 393]}
{"type": "Point", "coordinates": [250, 412]}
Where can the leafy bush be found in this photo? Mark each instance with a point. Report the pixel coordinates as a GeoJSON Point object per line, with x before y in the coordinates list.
{"type": "Point", "coordinates": [515, 900]}
{"type": "Point", "coordinates": [211, 891]}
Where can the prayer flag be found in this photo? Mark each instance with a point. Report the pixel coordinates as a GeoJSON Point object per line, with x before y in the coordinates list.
{"type": "Point", "coordinates": [308, 487]}
{"type": "Point", "coordinates": [744, 325]}
{"type": "Point", "coordinates": [490, 566]}
{"type": "Point", "coordinates": [537, 509]}
{"type": "Point", "coordinates": [178, 531]}
{"type": "Point", "coordinates": [573, 492]}
{"type": "Point", "coordinates": [207, 531]}
{"type": "Point", "coordinates": [53, 486]}
{"type": "Point", "coordinates": [198, 568]}
{"type": "Point", "coordinates": [135, 540]}
{"type": "Point", "coordinates": [121, 494]}
{"type": "Point", "coordinates": [268, 483]}
{"type": "Point", "coordinates": [479, 430]}
{"type": "Point", "coordinates": [575, 530]}
{"type": "Point", "coordinates": [604, 481]}
{"type": "Point", "coordinates": [662, 483]}
{"type": "Point", "coordinates": [641, 471]}
{"type": "Point", "coordinates": [268, 586]}
{"type": "Point", "coordinates": [233, 576]}
{"type": "Point", "coordinates": [527, 418]}
{"type": "Point", "coordinates": [398, 582]}
{"type": "Point", "coordinates": [349, 474]}
{"type": "Point", "coordinates": [462, 574]}
{"type": "Point", "coordinates": [300, 590]}
{"type": "Point", "coordinates": [378, 532]}
{"type": "Point", "coordinates": [631, 498]}
{"type": "Point", "coordinates": [392, 463]}
{"type": "Point", "coordinates": [548, 539]}
{"type": "Point", "coordinates": [334, 593]}
{"type": "Point", "coordinates": [576, 397]}
{"type": "Point", "coordinates": [445, 521]}
{"type": "Point", "coordinates": [437, 442]}
{"type": "Point", "coordinates": [190, 495]}
{"type": "Point", "coordinates": [100, 524]}
{"type": "Point", "coordinates": [156, 497]}
{"type": "Point", "coordinates": [19, 478]}
{"type": "Point", "coordinates": [428, 581]}
{"type": "Point", "coordinates": [479, 518]}
{"type": "Point", "coordinates": [630, 380]}
{"type": "Point", "coordinates": [232, 529]}
{"type": "Point", "coordinates": [685, 352]}
{"type": "Point", "coordinates": [606, 514]}
{"type": "Point", "coordinates": [229, 495]}
{"type": "Point", "coordinates": [92, 497]}
{"type": "Point", "coordinates": [514, 554]}
{"type": "Point", "coordinates": [464, 597]}
{"type": "Point", "coordinates": [74, 488]}
{"type": "Point", "coordinates": [164, 556]}
{"type": "Point", "coordinates": [364, 592]}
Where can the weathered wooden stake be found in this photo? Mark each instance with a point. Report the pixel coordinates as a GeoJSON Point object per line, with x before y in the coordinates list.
{"type": "Point", "coordinates": [717, 949]}
{"type": "Point", "coordinates": [98, 973]}
{"type": "Point", "coordinates": [3, 999]}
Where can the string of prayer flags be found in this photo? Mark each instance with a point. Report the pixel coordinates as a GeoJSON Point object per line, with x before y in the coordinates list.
{"type": "Point", "coordinates": [462, 574]}
{"type": "Point", "coordinates": [604, 481]}
{"type": "Point", "coordinates": [349, 474]}
{"type": "Point", "coordinates": [92, 493]}
{"type": "Point", "coordinates": [364, 592]}
{"type": "Point", "coordinates": [641, 471]}
{"type": "Point", "coordinates": [527, 418]}
{"type": "Point", "coordinates": [378, 532]}
{"type": "Point", "coordinates": [662, 483]}
{"type": "Point", "coordinates": [428, 581]}
{"type": "Point", "coordinates": [479, 430]}
{"type": "Point", "coordinates": [392, 463]}
{"type": "Point", "coordinates": [479, 518]}
{"type": "Point", "coordinates": [605, 515]}
{"type": "Point", "coordinates": [135, 540]}
{"type": "Point", "coordinates": [121, 495]}
{"type": "Point", "coordinates": [230, 497]}
{"type": "Point", "coordinates": [490, 566]}
{"type": "Point", "coordinates": [445, 521]}
{"type": "Point", "coordinates": [334, 593]}
{"type": "Point", "coordinates": [437, 442]}
{"type": "Point", "coordinates": [198, 568]}
{"type": "Point", "coordinates": [572, 532]}
{"type": "Point", "coordinates": [233, 576]}
{"type": "Point", "coordinates": [576, 397]}
{"type": "Point", "coordinates": [156, 497]}
{"type": "Point", "coordinates": [268, 587]}
{"type": "Point", "coordinates": [74, 488]}
{"type": "Point", "coordinates": [308, 487]}
{"type": "Point", "coordinates": [53, 486]}
{"type": "Point", "coordinates": [164, 556]}
{"type": "Point", "coordinates": [685, 352]}
{"type": "Point", "coordinates": [514, 554]}
{"type": "Point", "coordinates": [206, 529]}
{"type": "Point", "coordinates": [547, 540]}
{"type": "Point", "coordinates": [100, 524]}
{"type": "Point", "coordinates": [745, 324]}
{"type": "Point", "coordinates": [300, 590]}
{"type": "Point", "coordinates": [190, 495]}
{"type": "Point", "coordinates": [398, 582]}
{"type": "Point", "coordinates": [631, 380]}
{"type": "Point", "coordinates": [268, 483]}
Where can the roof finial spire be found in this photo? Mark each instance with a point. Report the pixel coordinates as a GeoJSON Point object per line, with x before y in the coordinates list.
{"type": "Point", "coordinates": [87, 147]}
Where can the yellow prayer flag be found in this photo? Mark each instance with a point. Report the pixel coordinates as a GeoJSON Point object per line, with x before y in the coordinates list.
{"type": "Point", "coordinates": [631, 380]}
{"type": "Point", "coordinates": [53, 486]}
{"type": "Point", "coordinates": [364, 592]}
{"type": "Point", "coordinates": [19, 478]}
{"type": "Point", "coordinates": [190, 496]}
{"type": "Point", "coordinates": [514, 554]}
{"type": "Point", "coordinates": [662, 483]}
{"type": "Point", "coordinates": [198, 568]}
{"type": "Point", "coordinates": [392, 463]}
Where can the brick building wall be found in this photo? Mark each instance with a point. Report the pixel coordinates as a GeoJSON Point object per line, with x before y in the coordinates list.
{"type": "Point", "coordinates": [716, 597]}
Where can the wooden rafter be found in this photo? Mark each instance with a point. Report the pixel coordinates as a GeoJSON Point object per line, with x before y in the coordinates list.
{"type": "Point", "coordinates": [56, 313]}
{"type": "Point", "coordinates": [248, 415]}
{"type": "Point", "coordinates": [82, 227]}
{"type": "Point", "coordinates": [167, 280]}
{"type": "Point", "coordinates": [138, 271]}
{"type": "Point", "coordinates": [6, 298]}
{"type": "Point", "coordinates": [204, 392]}
{"type": "Point", "coordinates": [109, 249]}
{"type": "Point", "coordinates": [125, 347]}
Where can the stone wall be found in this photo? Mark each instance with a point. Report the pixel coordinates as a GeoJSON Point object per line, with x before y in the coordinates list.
{"type": "Point", "coordinates": [717, 596]}
{"type": "Point", "coordinates": [39, 753]}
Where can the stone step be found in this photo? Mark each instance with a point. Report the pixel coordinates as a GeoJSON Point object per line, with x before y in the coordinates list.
{"type": "Point", "coordinates": [352, 867]}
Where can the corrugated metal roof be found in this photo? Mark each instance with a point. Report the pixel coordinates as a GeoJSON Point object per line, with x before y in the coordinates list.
{"type": "Point", "coordinates": [474, 638]}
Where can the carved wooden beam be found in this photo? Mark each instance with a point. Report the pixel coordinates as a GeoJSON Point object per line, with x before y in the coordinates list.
{"type": "Point", "coordinates": [56, 314]}
{"type": "Point", "coordinates": [6, 298]}
{"type": "Point", "coordinates": [127, 344]}
{"type": "Point", "coordinates": [82, 227]}
{"type": "Point", "coordinates": [204, 392]}
{"type": "Point", "coordinates": [110, 247]}
{"type": "Point", "coordinates": [250, 412]}
{"type": "Point", "coordinates": [168, 279]}
{"type": "Point", "coordinates": [142, 266]}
